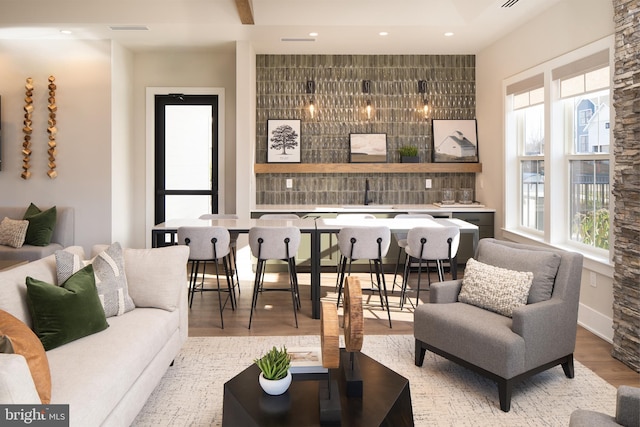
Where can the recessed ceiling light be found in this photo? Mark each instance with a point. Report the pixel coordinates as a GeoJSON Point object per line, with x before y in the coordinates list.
{"type": "Point", "coordinates": [314, 34]}
{"type": "Point", "coordinates": [66, 32]}
{"type": "Point", "coordinates": [448, 34]}
{"type": "Point", "coordinates": [383, 33]}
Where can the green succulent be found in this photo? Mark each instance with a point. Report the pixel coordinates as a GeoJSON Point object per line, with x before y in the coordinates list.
{"type": "Point", "coordinates": [275, 363]}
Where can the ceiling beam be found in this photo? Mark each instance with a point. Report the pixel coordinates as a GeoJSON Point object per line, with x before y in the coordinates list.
{"type": "Point", "coordinates": [245, 10]}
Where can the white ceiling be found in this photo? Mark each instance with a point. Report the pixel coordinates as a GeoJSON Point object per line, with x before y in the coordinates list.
{"type": "Point", "coordinates": [343, 26]}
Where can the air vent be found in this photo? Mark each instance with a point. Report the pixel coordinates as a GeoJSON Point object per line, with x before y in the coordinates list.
{"type": "Point", "coordinates": [509, 3]}
{"type": "Point", "coordinates": [297, 39]}
{"type": "Point", "coordinates": [129, 28]}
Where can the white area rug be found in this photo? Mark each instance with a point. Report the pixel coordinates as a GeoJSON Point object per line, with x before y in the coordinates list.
{"type": "Point", "coordinates": [442, 393]}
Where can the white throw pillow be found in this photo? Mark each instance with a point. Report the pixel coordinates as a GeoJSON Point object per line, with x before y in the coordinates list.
{"type": "Point", "coordinates": [109, 271]}
{"type": "Point", "coordinates": [13, 232]}
{"type": "Point", "coordinates": [494, 288]}
{"type": "Point", "coordinates": [157, 276]}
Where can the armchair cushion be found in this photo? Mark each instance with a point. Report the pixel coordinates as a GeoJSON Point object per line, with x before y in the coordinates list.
{"type": "Point", "coordinates": [543, 264]}
{"type": "Point", "coordinates": [494, 288]}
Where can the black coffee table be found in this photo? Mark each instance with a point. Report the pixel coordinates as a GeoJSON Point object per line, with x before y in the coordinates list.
{"type": "Point", "coordinates": [385, 401]}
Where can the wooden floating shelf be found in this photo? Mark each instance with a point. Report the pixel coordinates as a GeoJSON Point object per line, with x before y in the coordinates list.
{"type": "Point", "coordinates": [262, 168]}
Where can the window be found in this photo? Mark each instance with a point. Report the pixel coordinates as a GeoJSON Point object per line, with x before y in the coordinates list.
{"type": "Point", "coordinates": [558, 125]}
{"type": "Point", "coordinates": [527, 133]}
{"type": "Point", "coordinates": [585, 120]}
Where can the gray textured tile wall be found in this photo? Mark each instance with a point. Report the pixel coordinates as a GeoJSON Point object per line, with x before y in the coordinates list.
{"type": "Point", "coordinates": [340, 102]}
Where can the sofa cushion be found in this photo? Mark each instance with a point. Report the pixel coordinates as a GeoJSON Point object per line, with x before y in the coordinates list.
{"type": "Point", "coordinates": [107, 366]}
{"type": "Point", "coordinates": [494, 288]}
{"type": "Point", "coordinates": [41, 225]}
{"type": "Point", "coordinates": [110, 277]}
{"type": "Point", "coordinates": [155, 277]}
{"type": "Point", "coordinates": [543, 264]}
{"type": "Point", "coordinates": [17, 338]}
{"type": "Point", "coordinates": [65, 313]}
{"type": "Point", "coordinates": [13, 232]}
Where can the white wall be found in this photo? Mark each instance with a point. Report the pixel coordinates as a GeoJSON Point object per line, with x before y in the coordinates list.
{"type": "Point", "coordinates": [181, 69]}
{"type": "Point", "coordinates": [122, 148]}
{"type": "Point", "coordinates": [565, 27]}
{"type": "Point", "coordinates": [83, 74]}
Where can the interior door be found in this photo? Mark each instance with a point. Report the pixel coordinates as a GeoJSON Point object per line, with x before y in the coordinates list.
{"type": "Point", "coordinates": [186, 156]}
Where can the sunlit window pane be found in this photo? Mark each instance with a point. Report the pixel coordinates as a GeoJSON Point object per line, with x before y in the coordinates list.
{"type": "Point", "coordinates": [589, 202]}
{"type": "Point", "coordinates": [188, 141]}
{"type": "Point", "coordinates": [536, 96]}
{"type": "Point", "coordinates": [597, 79]}
{"type": "Point", "coordinates": [521, 100]}
{"type": "Point", "coordinates": [530, 130]}
{"type": "Point", "coordinates": [532, 197]}
{"type": "Point", "coordinates": [572, 86]}
{"type": "Point", "coordinates": [187, 206]}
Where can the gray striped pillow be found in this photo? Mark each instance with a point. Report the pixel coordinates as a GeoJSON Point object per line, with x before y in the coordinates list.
{"type": "Point", "coordinates": [111, 281]}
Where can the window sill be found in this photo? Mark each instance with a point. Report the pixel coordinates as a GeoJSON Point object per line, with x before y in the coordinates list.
{"type": "Point", "coordinates": [592, 262]}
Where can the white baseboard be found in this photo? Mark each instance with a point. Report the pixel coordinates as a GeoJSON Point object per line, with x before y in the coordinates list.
{"type": "Point", "coordinates": [595, 322]}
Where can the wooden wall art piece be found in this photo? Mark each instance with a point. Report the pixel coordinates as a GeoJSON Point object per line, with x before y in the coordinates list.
{"type": "Point", "coordinates": [27, 129]}
{"type": "Point", "coordinates": [52, 130]}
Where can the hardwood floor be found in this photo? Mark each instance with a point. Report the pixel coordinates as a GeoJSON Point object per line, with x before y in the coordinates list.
{"type": "Point", "coordinates": [274, 316]}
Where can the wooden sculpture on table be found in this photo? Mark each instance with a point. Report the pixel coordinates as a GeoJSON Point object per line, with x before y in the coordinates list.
{"type": "Point", "coordinates": [353, 335]}
{"type": "Point", "coordinates": [52, 130]}
{"type": "Point", "coordinates": [27, 129]}
{"type": "Point", "coordinates": [329, 393]}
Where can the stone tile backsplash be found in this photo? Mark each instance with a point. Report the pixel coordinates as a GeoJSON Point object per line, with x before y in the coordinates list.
{"type": "Point", "coordinates": [339, 101]}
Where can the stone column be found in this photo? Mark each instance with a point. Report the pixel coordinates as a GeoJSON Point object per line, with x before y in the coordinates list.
{"type": "Point", "coordinates": [626, 188]}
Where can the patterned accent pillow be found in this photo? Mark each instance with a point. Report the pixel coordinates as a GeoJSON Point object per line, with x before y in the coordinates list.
{"type": "Point", "coordinates": [13, 232]}
{"type": "Point", "coordinates": [494, 288]}
{"type": "Point", "coordinates": [111, 281]}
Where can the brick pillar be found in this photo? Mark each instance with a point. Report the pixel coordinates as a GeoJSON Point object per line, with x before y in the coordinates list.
{"type": "Point", "coordinates": [626, 187]}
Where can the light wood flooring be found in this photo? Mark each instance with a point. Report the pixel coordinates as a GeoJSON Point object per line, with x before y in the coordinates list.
{"type": "Point", "coordinates": [274, 316]}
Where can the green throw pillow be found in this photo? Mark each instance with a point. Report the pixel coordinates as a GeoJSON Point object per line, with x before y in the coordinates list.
{"type": "Point", "coordinates": [41, 225]}
{"type": "Point", "coordinates": [64, 313]}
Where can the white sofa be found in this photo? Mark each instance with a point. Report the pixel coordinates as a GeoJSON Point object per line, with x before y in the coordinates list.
{"type": "Point", "coordinates": [107, 377]}
{"type": "Point", "coordinates": [63, 235]}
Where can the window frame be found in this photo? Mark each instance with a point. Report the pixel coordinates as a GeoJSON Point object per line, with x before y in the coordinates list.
{"type": "Point", "coordinates": [557, 156]}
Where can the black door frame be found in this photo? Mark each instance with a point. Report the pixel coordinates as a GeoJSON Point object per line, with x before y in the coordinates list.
{"type": "Point", "coordinates": [160, 101]}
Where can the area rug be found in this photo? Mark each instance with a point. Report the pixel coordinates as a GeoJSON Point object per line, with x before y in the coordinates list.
{"type": "Point", "coordinates": [442, 393]}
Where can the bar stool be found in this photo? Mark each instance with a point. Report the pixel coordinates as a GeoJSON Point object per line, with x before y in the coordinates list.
{"type": "Point", "coordinates": [401, 238]}
{"type": "Point", "coordinates": [352, 217]}
{"type": "Point", "coordinates": [208, 244]}
{"type": "Point", "coordinates": [234, 242]}
{"type": "Point", "coordinates": [370, 243]}
{"type": "Point", "coordinates": [275, 243]}
{"type": "Point", "coordinates": [437, 243]}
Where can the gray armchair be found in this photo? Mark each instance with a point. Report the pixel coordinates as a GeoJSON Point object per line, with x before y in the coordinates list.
{"type": "Point", "coordinates": [627, 412]}
{"type": "Point", "coordinates": [538, 336]}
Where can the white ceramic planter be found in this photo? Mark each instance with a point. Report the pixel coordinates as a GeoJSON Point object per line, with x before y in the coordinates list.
{"type": "Point", "coordinates": [275, 387]}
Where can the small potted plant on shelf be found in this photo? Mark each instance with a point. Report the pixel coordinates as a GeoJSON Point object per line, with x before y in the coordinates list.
{"type": "Point", "coordinates": [409, 154]}
{"type": "Point", "coordinates": [275, 377]}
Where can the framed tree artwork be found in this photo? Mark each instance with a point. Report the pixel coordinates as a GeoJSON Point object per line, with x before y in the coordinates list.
{"type": "Point", "coordinates": [283, 141]}
{"type": "Point", "coordinates": [455, 141]}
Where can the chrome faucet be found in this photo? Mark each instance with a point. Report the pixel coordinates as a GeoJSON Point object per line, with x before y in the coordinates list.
{"type": "Point", "coordinates": [366, 192]}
